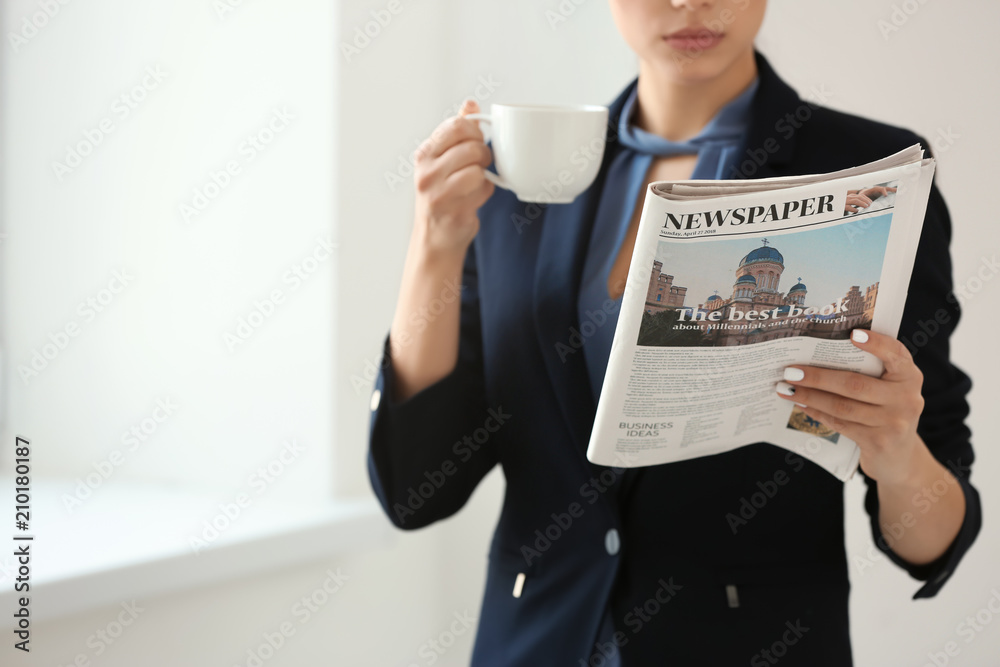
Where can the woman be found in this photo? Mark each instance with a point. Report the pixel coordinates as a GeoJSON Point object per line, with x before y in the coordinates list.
{"type": "Point", "coordinates": [606, 566]}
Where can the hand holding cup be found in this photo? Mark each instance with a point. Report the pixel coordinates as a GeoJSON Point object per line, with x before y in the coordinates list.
{"type": "Point", "coordinates": [450, 183]}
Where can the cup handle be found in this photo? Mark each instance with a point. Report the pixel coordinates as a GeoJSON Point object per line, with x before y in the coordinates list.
{"type": "Point", "coordinates": [490, 176]}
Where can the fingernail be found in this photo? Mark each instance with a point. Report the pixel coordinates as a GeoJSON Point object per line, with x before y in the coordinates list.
{"type": "Point", "coordinates": [860, 335]}
{"type": "Point", "coordinates": [786, 389]}
{"type": "Point", "coordinates": [802, 405]}
{"type": "Point", "coordinates": [794, 374]}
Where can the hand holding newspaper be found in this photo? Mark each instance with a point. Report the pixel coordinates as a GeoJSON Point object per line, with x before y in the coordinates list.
{"type": "Point", "coordinates": [732, 281]}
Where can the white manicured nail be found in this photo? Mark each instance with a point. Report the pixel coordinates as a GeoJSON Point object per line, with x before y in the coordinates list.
{"type": "Point", "coordinates": [860, 335]}
{"type": "Point", "coordinates": [794, 374]}
{"type": "Point", "coordinates": [786, 389]}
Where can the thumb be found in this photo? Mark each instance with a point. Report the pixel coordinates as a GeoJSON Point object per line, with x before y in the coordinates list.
{"type": "Point", "coordinates": [468, 106]}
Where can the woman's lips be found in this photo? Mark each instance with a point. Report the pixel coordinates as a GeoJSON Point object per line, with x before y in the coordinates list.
{"type": "Point", "coordinates": [693, 40]}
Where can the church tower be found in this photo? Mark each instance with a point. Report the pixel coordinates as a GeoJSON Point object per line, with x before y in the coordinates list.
{"type": "Point", "coordinates": [797, 294]}
{"type": "Point", "coordinates": [765, 265]}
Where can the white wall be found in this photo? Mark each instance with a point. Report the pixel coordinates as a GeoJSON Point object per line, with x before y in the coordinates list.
{"type": "Point", "coordinates": [188, 276]}
{"type": "Point", "coordinates": [391, 95]}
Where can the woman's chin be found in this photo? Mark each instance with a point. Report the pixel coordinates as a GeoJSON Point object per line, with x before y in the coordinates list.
{"type": "Point", "coordinates": [691, 72]}
{"type": "Point", "coordinates": [693, 68]}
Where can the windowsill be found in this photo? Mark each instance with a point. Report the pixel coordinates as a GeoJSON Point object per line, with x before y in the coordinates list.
{"type": "Point", "coordinates": [132, 540]}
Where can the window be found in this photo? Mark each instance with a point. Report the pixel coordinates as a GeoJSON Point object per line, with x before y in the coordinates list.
{"type": "Point", "coordinates": [191, 179]}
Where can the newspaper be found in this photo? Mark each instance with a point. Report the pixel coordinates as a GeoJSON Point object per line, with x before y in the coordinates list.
{"type": "Point", "coordinates": [732, 281]}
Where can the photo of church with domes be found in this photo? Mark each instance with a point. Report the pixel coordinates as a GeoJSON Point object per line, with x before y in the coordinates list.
{"type": "Point", "coordinates": [753, 306]}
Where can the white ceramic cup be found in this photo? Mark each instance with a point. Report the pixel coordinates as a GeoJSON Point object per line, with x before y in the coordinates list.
{"type": "Point", "coordinates": [546, 154]}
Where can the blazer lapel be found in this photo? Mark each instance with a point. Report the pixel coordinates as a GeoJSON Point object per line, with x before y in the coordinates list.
{"type": "Point", "coordinates": [770, 137]}
{"type": "Point", "coordinates": [565, 235]}
{"type": "Point", "coordinates": [766, 151]}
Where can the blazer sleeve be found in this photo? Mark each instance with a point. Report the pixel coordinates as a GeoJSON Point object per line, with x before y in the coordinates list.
{"type": "Point", "coordinates": [930, 315]}
{"type": "Point", "coordinates": [426, 454]}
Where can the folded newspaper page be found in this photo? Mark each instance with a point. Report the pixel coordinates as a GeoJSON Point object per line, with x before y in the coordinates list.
{"type": "Point", "coordinates": [732, 281]}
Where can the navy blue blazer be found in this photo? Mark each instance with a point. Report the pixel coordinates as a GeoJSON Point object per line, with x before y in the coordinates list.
{"type": "Point", "coordinates": [658, 546]}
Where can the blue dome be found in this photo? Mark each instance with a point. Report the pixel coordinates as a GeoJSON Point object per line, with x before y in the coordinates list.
{"type": "Point", "coordinates": [746, 280]}
{"type": "Point", "coordinates": [763, 254]}
{"type": "Point", "coordinates": [797, 287]}
{"type": "Point", "coordinates": [714, 297]}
